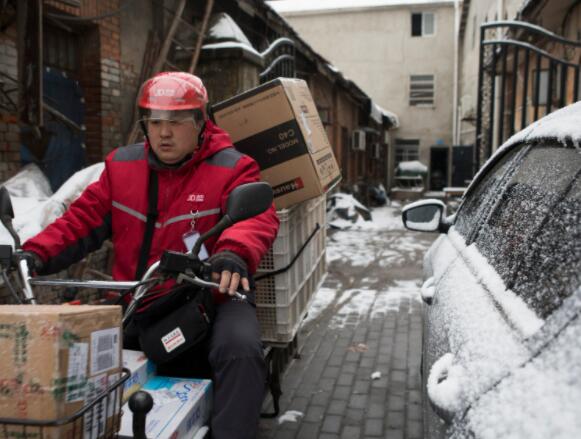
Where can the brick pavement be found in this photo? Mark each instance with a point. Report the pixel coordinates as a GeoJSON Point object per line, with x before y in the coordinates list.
{"type": "Point", "coordinates": [331, 383]}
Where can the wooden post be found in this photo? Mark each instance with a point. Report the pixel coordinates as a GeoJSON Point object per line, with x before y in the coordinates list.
{"type": "Point", "coordinates": [30, 62]}
{"type": "Point", "coordinates": [159, 63]}
{"type": "Point", "coordinates": [203, 30]}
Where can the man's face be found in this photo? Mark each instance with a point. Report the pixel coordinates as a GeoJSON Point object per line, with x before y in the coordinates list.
{"type": "Point", "coordinates": [173, 140]}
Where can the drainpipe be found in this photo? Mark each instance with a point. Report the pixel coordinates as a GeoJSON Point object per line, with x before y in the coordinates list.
{"type": "Point", "coordinates": [455, 91]}
{"type": "Point", "coordinates": [497, 115]}
{"type": "Point", "coordinates": [457, 12]}
{"type": "Point", "coordinates": [500, 10]}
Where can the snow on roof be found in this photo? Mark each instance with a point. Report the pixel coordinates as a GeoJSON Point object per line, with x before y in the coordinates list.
{"type": "Point", "coordinates": [334, 68]}
{"type": "Point", "coordinates": [282, 6]}
{"type": "Point", "coordinates": [225, 29]}
{"type": "Point", "coordinates": [231, 44]}
{"type": "Point", "coordinates": [378, 112]}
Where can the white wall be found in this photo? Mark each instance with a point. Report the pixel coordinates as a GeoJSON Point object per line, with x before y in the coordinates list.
{"type": "Point", "coordinates": [374, 48]}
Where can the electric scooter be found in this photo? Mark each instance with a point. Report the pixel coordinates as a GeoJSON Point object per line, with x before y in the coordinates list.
{"type": "Point", "coordinates": [245, 201]}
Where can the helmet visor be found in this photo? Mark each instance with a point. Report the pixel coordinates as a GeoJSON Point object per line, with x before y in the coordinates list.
{"type": "Point", "coordinates": [174, 117]}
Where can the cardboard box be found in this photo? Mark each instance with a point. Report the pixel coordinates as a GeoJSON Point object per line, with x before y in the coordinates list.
{"type": "Point", "coordinates": [141, 369]}
{"type": "Point", "coordinates": [180, 408]}
{"type": "Point", "coordinates": [278, 125]}
{"type": "Point", "coordinates": [54, 359]}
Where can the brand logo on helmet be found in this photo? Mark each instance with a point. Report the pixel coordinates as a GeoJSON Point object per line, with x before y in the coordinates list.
{"type": "Point", "coordinates": [164, 92]}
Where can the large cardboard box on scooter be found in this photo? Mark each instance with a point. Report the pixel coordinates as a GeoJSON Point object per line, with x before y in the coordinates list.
{"type": "Point", "coordinates": [277, 124]}
{"type": "Point", "coordinates": [55, 358]}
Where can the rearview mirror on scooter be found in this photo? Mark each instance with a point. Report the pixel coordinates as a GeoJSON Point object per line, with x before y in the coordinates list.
{"type": "Point", "coordinates": [7, 215]}
{"type": "Point", "coordinates": [248, 200]}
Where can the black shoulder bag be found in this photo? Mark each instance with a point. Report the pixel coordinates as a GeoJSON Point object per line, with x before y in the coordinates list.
{"type": "Point", "coordinates": [174, 323]}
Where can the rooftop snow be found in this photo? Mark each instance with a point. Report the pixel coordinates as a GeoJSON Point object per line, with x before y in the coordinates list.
{"type": "Point", "coordinates": [282, 6]}
{"type": "Point", "coordinates": [231, 44]}
{"type": "Point", "coordinates": [376, 109]}
{"type": "Point", "coordinates": [225, 29]}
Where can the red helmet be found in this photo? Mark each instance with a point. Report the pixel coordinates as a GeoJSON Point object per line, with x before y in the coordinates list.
{"type": "Point", "coordinates": [173, 91]}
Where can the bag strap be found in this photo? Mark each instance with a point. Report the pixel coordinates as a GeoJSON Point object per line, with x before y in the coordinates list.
{"type": "Point", "coordinates": [149, 225]}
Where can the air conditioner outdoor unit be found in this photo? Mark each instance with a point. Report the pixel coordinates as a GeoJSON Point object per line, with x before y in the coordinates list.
{"type": "Point", "coordinates": [358, 140]}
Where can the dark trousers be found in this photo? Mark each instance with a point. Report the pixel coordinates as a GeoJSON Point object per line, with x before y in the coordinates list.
{"type": "Point", "coordinates": [233, 358]}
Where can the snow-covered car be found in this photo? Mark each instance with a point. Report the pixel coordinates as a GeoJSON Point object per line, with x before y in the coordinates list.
{"type": "Point", "coordinates": [502, 333]}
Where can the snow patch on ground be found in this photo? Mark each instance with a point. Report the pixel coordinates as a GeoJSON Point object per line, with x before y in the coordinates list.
{"type": "Point", "coordinates": [290, 416]}
{"type": "Point", "coordinates": [384, 219]}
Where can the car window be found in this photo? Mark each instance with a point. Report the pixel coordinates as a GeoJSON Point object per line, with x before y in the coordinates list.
{"type": "Point", "coordinates": [478, 201]}
{"type": "Point", "coordinates": [551, 269]}
{"type": "Point", "coordinates": [528, 225]}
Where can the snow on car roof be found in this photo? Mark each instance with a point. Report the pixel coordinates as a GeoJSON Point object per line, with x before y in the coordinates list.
{"type": "Point", "coordinates": [563, 126]}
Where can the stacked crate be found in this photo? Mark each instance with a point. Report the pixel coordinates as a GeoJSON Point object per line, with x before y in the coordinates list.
{"type": "Point", "coordinates": [282, 300]}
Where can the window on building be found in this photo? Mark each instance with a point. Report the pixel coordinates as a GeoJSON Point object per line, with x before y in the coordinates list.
{"type": "Point", "coordinates": [422, 90]}
{"type": "Point", "coordinates": [60, 50]}
{"type": "Point", "coordinates": [423, 24]}
{"type": "Point", "coordinates": [406, 150]}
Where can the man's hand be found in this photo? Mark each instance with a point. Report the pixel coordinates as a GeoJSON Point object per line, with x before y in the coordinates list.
{"type": "Point", "coordinates": [35, 264]}
{"type": "Point", "coordinates": [230, 271]}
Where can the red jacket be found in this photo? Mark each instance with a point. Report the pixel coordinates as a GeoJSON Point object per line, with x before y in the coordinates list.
{"type": "Point", "coordinates": [115, 207]}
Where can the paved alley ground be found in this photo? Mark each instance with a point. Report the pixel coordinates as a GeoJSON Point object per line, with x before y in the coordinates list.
{"type": "Point", "coordinates": [365, 320]}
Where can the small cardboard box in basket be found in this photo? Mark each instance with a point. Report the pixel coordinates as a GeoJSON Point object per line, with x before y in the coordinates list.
{"type": "Point", "coordinates": [278, 125]}
{"type": "Point", "coordinates": [55, 358]}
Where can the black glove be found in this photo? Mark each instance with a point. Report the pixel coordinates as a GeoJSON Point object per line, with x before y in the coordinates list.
{"type": "Point", "coordinates": [228, 261]}
{"type": "Point", "coordinates": [231, 262]}
{"type": "Point", "coordinates": [35, 264]}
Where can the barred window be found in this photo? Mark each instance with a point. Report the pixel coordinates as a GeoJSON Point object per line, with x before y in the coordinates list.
{"type": "Point", "coordinates": [406, 150]}
{"type": "Point", "coordinates": [421, 90]}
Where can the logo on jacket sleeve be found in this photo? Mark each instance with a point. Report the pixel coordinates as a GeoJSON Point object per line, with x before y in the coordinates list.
{"type": "Point", "coordinates": [196, 198]}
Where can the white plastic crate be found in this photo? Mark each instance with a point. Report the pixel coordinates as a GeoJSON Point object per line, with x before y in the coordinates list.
{"type": "Point", "coordinates": [282, 300]}
{"type": "Point", "coordinates": [296, 225]}
{"type": "Point", "coordinates": [279, 324]}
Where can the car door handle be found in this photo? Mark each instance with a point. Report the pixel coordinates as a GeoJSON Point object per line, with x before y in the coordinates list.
{"type": "Point", "coordinates": [445, 387]}
{"type": "Point", "coordinates": [427, 291]}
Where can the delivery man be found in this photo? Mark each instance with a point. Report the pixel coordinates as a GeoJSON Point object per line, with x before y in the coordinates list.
{"type": "Point", "coordinates": [194, 166]}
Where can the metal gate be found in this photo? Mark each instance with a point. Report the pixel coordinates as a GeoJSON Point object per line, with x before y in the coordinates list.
{"type": "Point", "coordinates": [525, 73]}
{"type": "Point", "coordinates": [280, 60]}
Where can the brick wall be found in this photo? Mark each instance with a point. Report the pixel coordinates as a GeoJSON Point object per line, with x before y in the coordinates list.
{"type": "Point", "coordinates": [109, 32]}
{"type": "Point", "coordinates": [9, 131]}
{"type": "Point", "coordinates": [100, 79]}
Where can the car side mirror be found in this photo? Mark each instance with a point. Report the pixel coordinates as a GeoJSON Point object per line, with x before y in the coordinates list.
{"type": "Point", "coordinates": [425, 216]}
